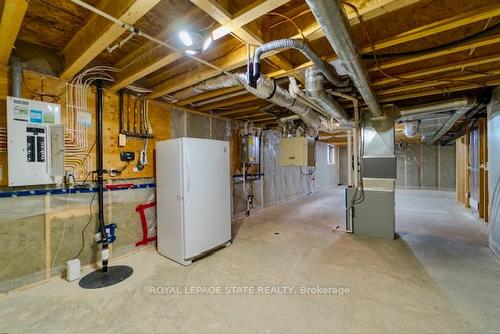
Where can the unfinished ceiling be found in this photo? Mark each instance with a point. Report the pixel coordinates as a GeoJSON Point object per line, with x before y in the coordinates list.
{"type": "Point", "coordinates": [460, 38]}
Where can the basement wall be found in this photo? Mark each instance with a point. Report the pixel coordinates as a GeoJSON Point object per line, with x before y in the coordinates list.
{"type": "Point", "coordinates": [424, 166]}
{"type": "Point", "coordinates": [494, 170]}
{"type": "Point", "coordinates": [40, 231]}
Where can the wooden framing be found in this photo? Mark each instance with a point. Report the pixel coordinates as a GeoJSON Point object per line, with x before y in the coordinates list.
{"type": "Point", "coordinates": [436, 27]}
{"type": "Point", "coordinates": [438, 69]}
{"type": "Point", "coordinates": [98, 33]}
{"type": "Point", "coordinates": [224, 103]}
{"type": "Point", "coordinates": [238, 57]}
{"type": "Point", "coordinates": [208, 95]}
{"type": "Point", "coordinates": [483, 169]}
{"type": "Point", "coordinates": [10, 22]}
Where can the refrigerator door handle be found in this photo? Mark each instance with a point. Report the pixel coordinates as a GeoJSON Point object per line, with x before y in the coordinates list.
{"type": "Point", "coordinates": [188, 173]}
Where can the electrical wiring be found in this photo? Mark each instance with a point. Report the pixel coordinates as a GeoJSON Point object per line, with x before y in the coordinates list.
{"type": "Point", "coordinates": [434, 80]}
{"type": "Point", "coordinates": [291, 20]}
{"type": "Point", "coordinates": [55, 97]}
{"type": "Point", "coordinates": [310, 173]}
{"type": "Point", "coordinates": [91, 217]}
{"type": "Point", "coordinates": [457, 42]}
{"type": "Point", "coordinates": [274, 25]}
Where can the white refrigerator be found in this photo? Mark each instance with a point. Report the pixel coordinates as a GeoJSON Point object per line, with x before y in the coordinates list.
{"type": "Point", "coordinates": [193, 202]}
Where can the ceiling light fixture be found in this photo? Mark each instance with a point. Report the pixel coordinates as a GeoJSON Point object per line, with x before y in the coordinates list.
{"type": "Point", "coordinates": [194, 42]}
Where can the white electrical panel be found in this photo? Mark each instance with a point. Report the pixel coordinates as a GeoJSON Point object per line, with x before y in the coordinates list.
{"type": "Point", "coordinates": [35, 142]}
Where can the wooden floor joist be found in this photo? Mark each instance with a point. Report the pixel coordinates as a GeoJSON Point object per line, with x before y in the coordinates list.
{"type": "Point", "coordinates": [98, 33]}
{"type": "Point", "coordinates": [10, 22]}
{"type": "Point", "coordinates": [238, 57]}
{"type": "Point", "coordinates": [443, 81]}
{"type": "Point", "coordinates": [208, 95]}
{"type": "Point", "coordinates": [224, 103]}
{"type": "Point", "coordinates": [444, 90]}
{"type": "Point", "coordinates": [437, 69]}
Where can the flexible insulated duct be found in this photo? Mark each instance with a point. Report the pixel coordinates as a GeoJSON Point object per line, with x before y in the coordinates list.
{"type": "Point", "coordinates": [316, 91]}
{"type": "Point", "coordinates": [332, 19]}
{"type": "Point", "coordinates": [299, 45]}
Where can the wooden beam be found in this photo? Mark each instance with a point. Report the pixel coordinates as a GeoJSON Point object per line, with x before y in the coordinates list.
{"type": "Point", "coordinates": [219, 14]}
{"type": "Point", "coordinates": [444, 90]}
{"type": "Point", "coordinates": [258, 114]}
{"type": "Point", "coordinates": [10, 24]}
{"type": "Point", "coordinates": [437, 69]}
{"type": "Point", "coordinates": [441, 81]}
{"type": "Point", "coordinates": [485, 41]}
{"type": "Point", "coordinates": [208, 95]}
{"type": "Point", "coordinates": [450, 23]}
{"type": "Point", "coordinates": [224, 103]}
{"type": "Point", "coordinates": [239, 110]}
{"type": "Point", "coordinates": [238, 57]}
{"type": "Point", "coordinates": [152, 62]}
{"type": "Point", "coordinates": [245, 16]}
{"type": "Point", "coordinates": [265, 119]}
{"type": "Point", "coordinates": [98, 33]}
{"type": "Point", "coordinates": [150, 57]}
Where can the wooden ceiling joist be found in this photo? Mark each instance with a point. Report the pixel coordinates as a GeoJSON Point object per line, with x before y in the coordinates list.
{"type": "Point", "coordinates": [253, 116]}
{"type": "Point", "coordinates": [10, 22]}
{"type": "Point", "coordinates": [238, 57]}
{"type": "Point", "coordinates": [443, 81]}
{"type": "Point", "coordinates": [98, 33]}
{"type": "Point", "coordinates": [437, 69]}
{"type": "Point", "coordinates": [208, 95]}
{"type": "Point", "coordinates": [445, 90]}
{"type": "Point", "coordinates": [228, 25]}
{"type": "Point", "coordinates": [153, 62]}
{"type": "Point", "coordinates": [240, 110]}
{"type": "Point", "coordinates": [228, 102]}
{"type": "Point", "coordinates": [436, 27]}
{"type": "Point", "coordinates": [485, 41]}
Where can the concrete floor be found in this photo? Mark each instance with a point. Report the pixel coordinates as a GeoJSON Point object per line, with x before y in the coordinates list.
{"type": "Point", "coordinates": [438, 277]}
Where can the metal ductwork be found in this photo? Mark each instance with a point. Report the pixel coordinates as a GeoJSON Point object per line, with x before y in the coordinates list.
{"type": "Point", "coordinates": [328, 70]}
{"type": "Point", "coordinates": [316, 91]}
{"type": "Point", "coordinates": [435, 107]}
{"type": "Point", "coordinates": [436, 110]}
{"type": "Point", "coordinates": [333, 20]}
{"type": "Point", "coordinates": [451, 121]}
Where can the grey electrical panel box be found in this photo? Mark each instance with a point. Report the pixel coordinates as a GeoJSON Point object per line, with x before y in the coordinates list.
{"type": "Point", "coordinates": [57, 150]}
{"type": "Point", "coordinates": [249, 150]}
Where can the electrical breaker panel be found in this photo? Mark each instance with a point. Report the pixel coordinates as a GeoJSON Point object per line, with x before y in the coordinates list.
{"type": "Point", "coordinates": [35, 142]}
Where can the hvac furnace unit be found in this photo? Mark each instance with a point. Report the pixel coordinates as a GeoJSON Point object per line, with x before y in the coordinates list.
{"type": "Point", "coordinates": [193, 197]}
{"type": "Point", "coordinates": [35, 142]}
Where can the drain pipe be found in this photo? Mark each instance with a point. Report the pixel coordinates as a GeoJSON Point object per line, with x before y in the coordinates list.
{"type": "Point", "coordinates": [16, 76]}
{"type": "Point", "coordinates": [332, 19]}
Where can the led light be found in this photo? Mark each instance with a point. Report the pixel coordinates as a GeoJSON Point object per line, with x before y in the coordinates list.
{"type": "Point", "coordinates": [207, 43]}
{"type": "Point", "coordinates": [185, 38]}
{"type": "Point", "coordinates": [191, 52]}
